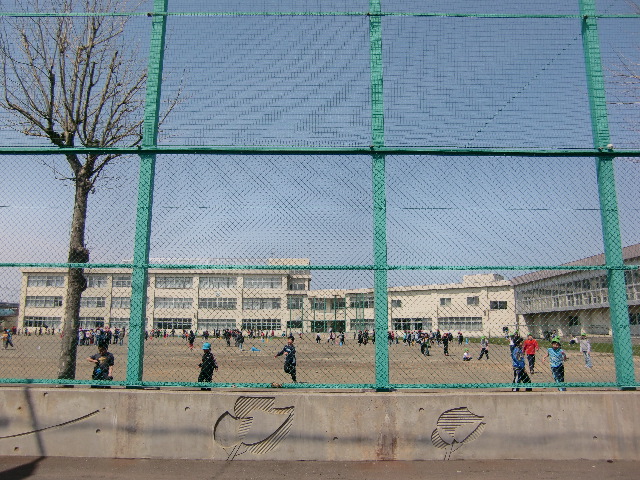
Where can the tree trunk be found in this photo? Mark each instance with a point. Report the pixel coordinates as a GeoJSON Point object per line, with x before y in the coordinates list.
{"type": "Point", "coordinates": [76, 282]}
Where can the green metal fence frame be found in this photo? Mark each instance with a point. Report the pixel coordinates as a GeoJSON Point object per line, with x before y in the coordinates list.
{"type": "Point", "coordinates": [603, 154]}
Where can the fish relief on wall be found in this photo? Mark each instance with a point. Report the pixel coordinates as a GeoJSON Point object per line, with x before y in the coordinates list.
{"type": "Point", "coordinates": [256, 426]}
{"type": "Point", "coordinates": [456, 427]}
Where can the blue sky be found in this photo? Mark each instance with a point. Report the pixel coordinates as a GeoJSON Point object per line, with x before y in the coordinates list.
{"type": "Point", "coordinates": [304, 81]}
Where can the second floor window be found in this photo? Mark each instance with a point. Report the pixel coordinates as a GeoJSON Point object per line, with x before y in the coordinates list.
{"type": "Point", "coordinates": [120, 302]}
{"type": "Point", "coordinates": [361, 302]}
{"type": "Point", "coordinates": [498, 305]}
{"type": "Point", "coordinates": [217, 282]}
{"type": "Point", "coordinates": [295, 303]}
{"type": "Point", "coordinates": [319, 304]}
{"type": "Point", "coordinates": [92, 302]}
{"type": "Point", "coordinates": [42, 301]}
{"type": "Point", "coordinates": [170, 302]}
{"type": "Point", "coordinates": [122, 280]}
{"type": "Point", "coordinates": [173, 282]}
{"type": "Point", "coordinates": [96, 281]}
{"type": "Point", "coordinates": [261, 303]}
{"type": "Point", "coordinates": [297, 285]}
{"type": "Point", "coordinates": [262, 281]}
{"type": "Point", "coordinates": [218, 303]}
{"type": "Point", "coordinates": [45, 281]}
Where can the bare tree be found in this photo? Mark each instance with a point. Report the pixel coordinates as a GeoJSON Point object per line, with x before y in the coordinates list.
{"type": "Point", "coordinates": [74, 81]}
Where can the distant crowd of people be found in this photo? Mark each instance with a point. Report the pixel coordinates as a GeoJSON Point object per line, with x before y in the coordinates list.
{"type": "Point", "coordinates": [522, 351]}
{"type": "Point", "coordinates": [101, 335]}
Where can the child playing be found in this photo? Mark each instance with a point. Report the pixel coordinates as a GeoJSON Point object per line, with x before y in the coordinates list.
{"type": "Point", "coordinates": [207, 365]}
{"type": "Point", "coordinates": [585, 348]}
{"type": "Point", "coordinates": [465, 356]}
{"type": "Point", "coordinates": [289, 352]}
{"type": "Point", "coordinates": [517, 361]}
{"type": "Point", "coordinates": [556, 357]}
{"type": "Point", "coordinates": [484, 348]}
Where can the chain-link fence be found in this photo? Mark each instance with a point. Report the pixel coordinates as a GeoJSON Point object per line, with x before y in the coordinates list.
{"type": "Point", "coordinates": [327, 194]}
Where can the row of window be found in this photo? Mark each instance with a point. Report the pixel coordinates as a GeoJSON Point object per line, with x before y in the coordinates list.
{"type": "Point", "coordinates": [589, 291]}
{"type": "Point", "coordinates": [175, 282]}
{"type": "Point", "coordinates": [412, 324]}
{"type": "Point", "coordinates": [43, 301]}
{"type": "Point", "coordinates": [475, 301]}
{"type": "Point", "coordinates": [460, 323]}
{"type": "Point", "coordinates": [247, 324]}
{"type": "Point", "coordinates": [222, 303]}
{"type": "Point", "coordinates": [93, 281]}
{"type": "Point", "coordinates": [598, 297]}
{"type": "Point", "coordinates": [161, 302]}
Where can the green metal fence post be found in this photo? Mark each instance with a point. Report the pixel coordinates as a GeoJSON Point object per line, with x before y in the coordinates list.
{"type": "Point", "coordinates": [379, 200]}
{"type": "Point", "coordinates": [618, 307]}
{"type": "Point", "coordinates": [145, 197]}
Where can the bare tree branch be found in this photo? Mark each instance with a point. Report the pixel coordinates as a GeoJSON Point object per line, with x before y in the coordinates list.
{"type": "Point", "coordinates": [74, 80]}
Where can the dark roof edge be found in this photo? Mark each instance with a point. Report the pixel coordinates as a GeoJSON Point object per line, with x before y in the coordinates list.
{"type": "Point", "coordinates": [628, 253]}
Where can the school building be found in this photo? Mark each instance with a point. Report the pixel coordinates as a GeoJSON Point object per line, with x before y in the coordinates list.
{"type": "Point", "coordinates": [266, 299]}
{"type": "Point", "coordinates": [573, 302]}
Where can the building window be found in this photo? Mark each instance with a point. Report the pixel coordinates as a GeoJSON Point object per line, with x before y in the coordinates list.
{"type": "Point", "coordinates": [396, 303]}
{"type": "Point", "coordinates": [92, 302]}
{"type": "Point", "coordinates": [294, 324]}
{"type": "Point", "coordinates": [460, 323]}
{"type": "Point", "coordinates": [122, 281]}
{"type": "Point", "coordinates": [359, 301]}
{"type": "Point", "coordinates": [96, 281]}
{"type": "Point", "coordinates": [207, 283]}
{"type": "Point", "coordinates": [634, 319]}
{"type": "Point", "coordinates": [445, 302]}
{"type": "Point", "coordinates": [295, 303]}
{"type": "Point", "coordinates": [297, 285]}
{"type": "Point", "coordinates": [171, 302]}
{"type": "Point", "coordinates": [498, 305]}
{"type": "Point", "coordinates": [45, 281]}
{"type": "Point", "coordinates": [574, 321]}
{"type": "Point", "coordinates": [473, 300]}
{"type": "Point", "coordinates": [362, 324]}
{"type": "Point", "coordinates": [120, 302]}
{"type": "Point", "coordinates": [218, 303]}
{"type": "Point", "coordinates": [261, 324]}
{"type": "Point", "coordinates": [91, 322]}
{"type": "Point", "coordinates": [173, 323]}
{"type": "Point", "coordinates": [412, 324]}
{"type": "Point", "coordinates": [173, 282]}
{"type": "Point", "coordinates": [338, 303]}
{"type": "Point", "coordinates": [262, 281]}
{"type": "Point", "coordinates": [42, 301]}
{"type": "Point", "coordinates": [212, 324]}
{"type": "Point", "coordinates": [319, 304]}
{"type": "Point", "coordinates": [118, 322]}
{"type": "Point", "coordinates": [44, 322]}
{"type": "Point", "coordinates": [260, 303]}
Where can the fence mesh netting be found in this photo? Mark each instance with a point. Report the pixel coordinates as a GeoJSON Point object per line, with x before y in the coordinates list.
{"type": "Point", "coordinates": [398, 194]}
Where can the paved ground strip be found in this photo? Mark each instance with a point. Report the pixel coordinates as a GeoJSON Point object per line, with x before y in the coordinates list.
{"type": "Point", "coordinates": [57, 468]}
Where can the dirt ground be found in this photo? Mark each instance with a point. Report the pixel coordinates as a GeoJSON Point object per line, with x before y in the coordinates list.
{"type": "Point", "coordinates": [171, 360]}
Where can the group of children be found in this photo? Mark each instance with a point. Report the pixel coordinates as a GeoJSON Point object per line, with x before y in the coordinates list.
{"type": "Point", "coordinates": [555, 354]}
{"type": "Point", "coordinates": [104, 360]}
{"type": "Point", "coordinates": [521, 348]}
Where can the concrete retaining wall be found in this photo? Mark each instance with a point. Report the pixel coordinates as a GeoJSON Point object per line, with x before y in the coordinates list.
{"type": "Point", "coordinates": [299, 425]}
